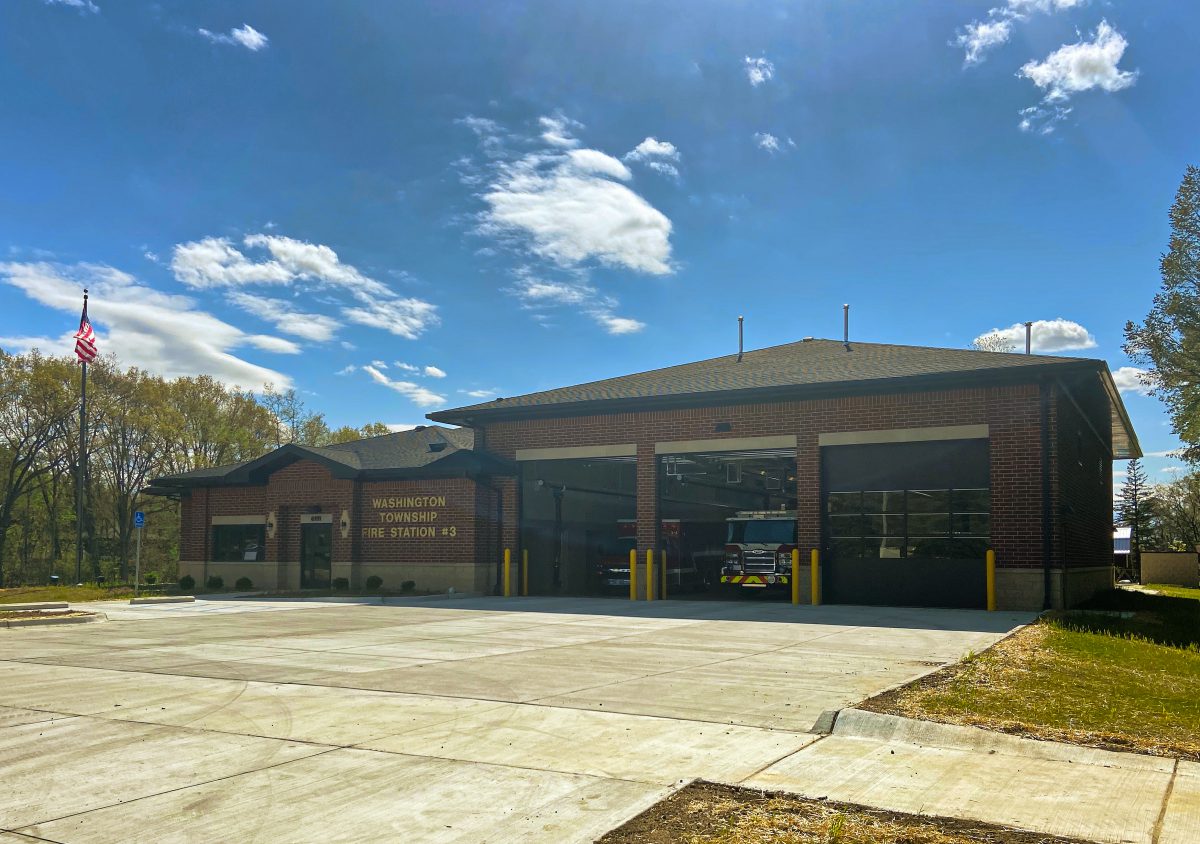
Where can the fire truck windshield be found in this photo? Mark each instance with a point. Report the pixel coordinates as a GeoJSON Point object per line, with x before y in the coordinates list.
{"type": "Point", "coordinates": [762, 531]}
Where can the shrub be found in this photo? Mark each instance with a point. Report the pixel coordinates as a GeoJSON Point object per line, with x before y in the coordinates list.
{"type": "Point", "coordinates": [408, 586]}
{"type": "Point", "coordinates": [215, 582]}
{"type": "Point", "coordinates": [374, 582]}
{"type": "Point", "coordinates": [244, 584]}
{"type": "Point", "coordinates": [341, 583]}
{"type": "Point", "coordinates": [187, 583]}
{"type": "Point", "coordinates": [151, 578]}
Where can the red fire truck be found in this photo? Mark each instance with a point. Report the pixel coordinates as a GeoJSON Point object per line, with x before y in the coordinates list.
{"type": "Point", "coordinates": [758, 549]}
{"type": "Point", "coordinates": [691, 558]}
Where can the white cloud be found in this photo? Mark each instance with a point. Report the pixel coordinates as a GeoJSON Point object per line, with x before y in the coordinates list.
{"type": "Point", "coordinates": [434, 372]}
{"type": "Point", "coordinates": [1047, 335]}
{"type": "Point", "coordinates": [600, 163]}
{"type": "Point", "coordinates": [1071, 69]}
{"type": "Point", "coordinates": [407, 367]}
{"type": "Point", "coordinates": [397, 427]}
{"type": "Point", "coordinates": [480, 394]}
{"type": "Point", "coordinates": [653, 148]}
{"type": "Point", "coordinates": [159, 332]}
{"type": "Point", "coordinates": [216, 262]}
{"type": "Point", "coordinates": [977, 37]}
{"type": "Point", "coordinates": [378, 364]}
{"type": "Point", "coordinates": [279, 345]}
{"type": "Point", "coordinates": [557, 130]}
{"type": "Point", "coordinates": [242, 36]}
{"type": "Point", "coordinates": [285, 317]}
{"type": "Point", "coordinates": [571, 215]}
{"type": "Point", "coordinates": [1129, 379]}
{"type": "Point", "coordinates": [619, 325]}
{"type": "Point", "coordinates": [81, 5]}
{"type": "Point", "coordinates": [657, 155]}
{"type": "Point", "coordinates": [348, 369]}
{"type": "Point", "coordinates": [417, 394]}
{"type": "Point", "coordinates": [772, 143]}
{"type": "Point", "coordinates": [980, 36]}
{"type": "Point", "coordinates": [758, 70]}
{"type": "Point", "coordinates": [538, 294]}
{"type": "Point", "coordinates": [406, 318]}
{"type": "Point", "coordinates": [1082, 66]}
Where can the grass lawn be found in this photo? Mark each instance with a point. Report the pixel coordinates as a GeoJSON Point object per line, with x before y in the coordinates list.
{"type": "Point", "coordinates": [1173, 591]}
{"type": "Point", "coordinates": [1123, 674]}
{"type": "Point", "coordinates": [706, 813]}
{"type": "Point", "coordinates": [87, 592]}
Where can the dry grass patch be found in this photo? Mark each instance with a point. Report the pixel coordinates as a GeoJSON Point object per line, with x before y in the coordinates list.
{"type": "Point", "coordinates": [707, 813]}
{"type": "Point", "coordinates": [1061, 680]}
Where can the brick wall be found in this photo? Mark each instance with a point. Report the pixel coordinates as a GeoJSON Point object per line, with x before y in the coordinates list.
{"type": "Point", "coordinates": [441, 550]}
{"type": "Point", "coordinates": [1011, 412]}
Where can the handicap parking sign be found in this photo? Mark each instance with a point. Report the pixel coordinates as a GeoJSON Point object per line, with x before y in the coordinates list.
{"type": "Point", "coordinates": [139, 519]}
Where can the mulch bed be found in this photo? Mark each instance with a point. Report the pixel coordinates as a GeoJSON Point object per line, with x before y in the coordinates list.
{"type": "Point", "coordinates": [708, 813]}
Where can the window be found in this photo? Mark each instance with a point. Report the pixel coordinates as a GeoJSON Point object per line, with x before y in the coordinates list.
{"type": "Point", "coordinates": [238, 543]}
{"type": "Point", "coordinates": [765, 531]}
{"type": "Point", "coordinates": [891, 524]}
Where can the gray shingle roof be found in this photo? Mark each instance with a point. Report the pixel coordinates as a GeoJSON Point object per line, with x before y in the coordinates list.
{"type": "Point", "coordinates": [807, 362]}
{"type": "Point", "coordinates": [402, 451]}
{"type": "Point", "coordinates": [802, 366]}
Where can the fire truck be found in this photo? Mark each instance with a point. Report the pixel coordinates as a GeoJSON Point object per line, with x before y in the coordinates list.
{"type": "Point", "coordinates": [691, 556]}
{"type": "Point", "coordinates": [758, 549]}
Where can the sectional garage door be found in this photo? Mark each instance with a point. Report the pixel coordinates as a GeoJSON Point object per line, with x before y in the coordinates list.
{"type": "Point", "coordinates": [906, 524]}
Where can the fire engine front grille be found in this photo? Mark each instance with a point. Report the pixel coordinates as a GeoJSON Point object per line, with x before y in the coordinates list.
{"type": "Point", "coordinates": [759, 561]}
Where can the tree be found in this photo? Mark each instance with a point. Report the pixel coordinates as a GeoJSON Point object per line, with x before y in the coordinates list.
{"type": "Point", "coordinates": [37, 408]}
{"type": "Point", "coordinates": [1134, 510]}
{"type": "Point", "coordinates": [291, 417]}
{"type": "Point", "coordinates": [1169, 338]}
{"type": "Point", "coordinates": [1178, 506]}
{"type": "Point", "coordinates": [993, 342]}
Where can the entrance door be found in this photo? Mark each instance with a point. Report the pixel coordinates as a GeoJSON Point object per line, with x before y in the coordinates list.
{"type": "Point", "coordinates": [316, 544]}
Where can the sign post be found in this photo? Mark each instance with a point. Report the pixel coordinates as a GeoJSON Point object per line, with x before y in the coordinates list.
{"type": "Point", "coordinates": [139, 522]}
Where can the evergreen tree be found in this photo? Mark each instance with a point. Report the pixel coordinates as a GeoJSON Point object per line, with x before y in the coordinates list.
{"type": "Point", "coordinates": [1134, 510]}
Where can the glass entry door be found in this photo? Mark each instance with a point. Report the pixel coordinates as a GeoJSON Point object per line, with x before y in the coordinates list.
{"type": "Point", "coordinates": [316, 545]}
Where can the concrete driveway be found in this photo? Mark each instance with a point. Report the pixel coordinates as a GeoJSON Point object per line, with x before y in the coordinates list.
{"type": "Point", "coordinates": [445, 721]}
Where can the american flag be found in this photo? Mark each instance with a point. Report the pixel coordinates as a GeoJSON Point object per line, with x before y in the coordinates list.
{"type": "Point", "coordinates": [85, 338]}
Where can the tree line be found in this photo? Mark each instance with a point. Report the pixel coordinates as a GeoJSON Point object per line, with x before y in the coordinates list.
{"type": "Point", "coordinates": [139, 427]}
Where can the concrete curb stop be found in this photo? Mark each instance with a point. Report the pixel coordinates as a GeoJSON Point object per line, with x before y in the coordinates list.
{"type": "Point", "coordinates": [49, 620]}
{"type": "Point", "coordinates": [164, 599]}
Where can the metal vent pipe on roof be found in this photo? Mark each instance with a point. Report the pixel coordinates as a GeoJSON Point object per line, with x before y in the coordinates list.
{"type": "Point", "coordinates": [1028, 338]}
{"type": "Point", "coordinates": [740, 321]}
{"type": "Point", "coordinates": [846, 325]}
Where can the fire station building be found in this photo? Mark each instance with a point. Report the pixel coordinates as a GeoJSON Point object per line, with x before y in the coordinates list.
{"type": "Point", "coordinates": [902, 466]}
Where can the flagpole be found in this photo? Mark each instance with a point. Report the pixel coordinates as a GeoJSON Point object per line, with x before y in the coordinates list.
{"type": "Point", "coordinates": [82, 467]}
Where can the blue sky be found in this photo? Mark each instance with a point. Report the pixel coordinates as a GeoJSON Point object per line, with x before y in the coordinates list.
{"type": "Point", "coordinates": [402, 207]}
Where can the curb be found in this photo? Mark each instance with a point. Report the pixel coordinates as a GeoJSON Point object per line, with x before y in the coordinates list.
{"type": "Point", "coordinates": [163, 599]}
{"type": "Point", "coordinates": [876, 726]}
{"type": "Point", "coordinates": [46, 622]}
{"type": "Point", "coordinates": [34, 606]}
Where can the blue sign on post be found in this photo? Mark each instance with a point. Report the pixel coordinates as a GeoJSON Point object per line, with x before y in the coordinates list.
{"type": "Point", "coordinates": [139, 520]}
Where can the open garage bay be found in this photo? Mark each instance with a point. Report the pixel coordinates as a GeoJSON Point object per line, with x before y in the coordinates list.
{"type": "Point", "coordinates": [452, 721]}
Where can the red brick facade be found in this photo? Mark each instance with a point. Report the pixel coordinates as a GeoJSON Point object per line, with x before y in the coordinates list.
{"type": "Point", "coordinates": [479, 519]}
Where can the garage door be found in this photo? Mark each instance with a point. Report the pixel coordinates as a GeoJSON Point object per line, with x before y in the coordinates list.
{"type": "Point", "coordinates": [906, 524]}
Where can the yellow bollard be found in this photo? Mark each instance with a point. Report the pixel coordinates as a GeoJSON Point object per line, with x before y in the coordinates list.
{"type": "Point", "coordinates": [815, 577]}
{"type": "Point", "coordinates": [507, 573]}
{"type": "Point", "coordinates": [525, 572]}
{"type": "Point", "coordinates": [633, 574]}
{"type": "Point", "coordinates": [649, 574]}
{"type": "Point", "coordinates": [991, 580]}
{"type": "Point", "coordinates": [795, 575]}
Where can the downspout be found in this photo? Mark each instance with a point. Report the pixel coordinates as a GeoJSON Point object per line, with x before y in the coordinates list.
{"type": "Point", "coordinates": [1047, 541]}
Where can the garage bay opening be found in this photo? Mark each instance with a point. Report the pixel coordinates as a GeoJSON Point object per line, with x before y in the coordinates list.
{"type": "Point", "coordinates": [728, 522]}
{"type": "Point", "coordinates": [578, 524]}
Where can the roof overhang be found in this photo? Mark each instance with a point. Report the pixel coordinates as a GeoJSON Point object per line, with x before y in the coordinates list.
{"type": "Point", "coordinates": [1125, 443]}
